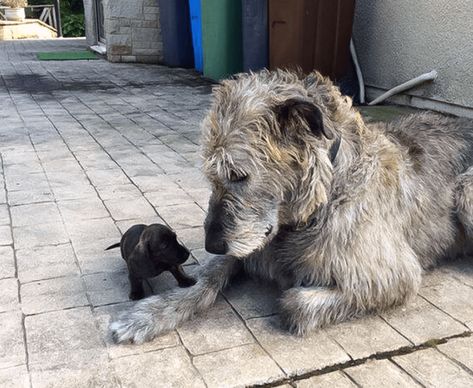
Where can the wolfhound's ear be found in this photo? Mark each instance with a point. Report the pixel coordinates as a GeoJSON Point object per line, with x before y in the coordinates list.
{"type": "Point", "coordinates": [308, 111]}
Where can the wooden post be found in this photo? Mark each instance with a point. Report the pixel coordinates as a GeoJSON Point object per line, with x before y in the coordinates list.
{"type": "Point", "coordinates": [57, 12]}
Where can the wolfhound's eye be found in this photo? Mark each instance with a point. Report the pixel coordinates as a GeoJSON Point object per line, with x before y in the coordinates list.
{"type": "Point", "coordinates": [237, 177]}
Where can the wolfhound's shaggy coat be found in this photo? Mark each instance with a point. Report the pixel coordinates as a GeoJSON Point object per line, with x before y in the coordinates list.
{"type": "Point", "coordinates": [343, 215]}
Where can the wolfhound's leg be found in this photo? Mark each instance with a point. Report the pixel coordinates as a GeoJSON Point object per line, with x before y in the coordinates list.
{"type": "Point", "coordinates": [464, 200]}
{"type": "Point", "coordinates": [157, 314]}
{"type": "Point", "coordinates": [304, 309]}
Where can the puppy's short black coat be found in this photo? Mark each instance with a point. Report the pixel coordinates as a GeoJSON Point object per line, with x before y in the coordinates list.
{"type": "Point", "coordinates": [149, 251]}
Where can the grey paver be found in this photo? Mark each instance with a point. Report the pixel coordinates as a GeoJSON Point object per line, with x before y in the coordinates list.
{"type": "Point", "coordinates": [127, 191]}
{"type": "Point", "coordinates": [16, 377]}
{"type": "Point", "coordinates": [294, 354]}
{"type": "Point", "coordinates": [4, 215]}
{"type": "Point", "coordinates": [217, 329]}
{"type": "Point", "coordinates": [28, 215]}
{"type": "Point", "coordinates": [454, 298]}
{"type": "Point", "coordinates": [82, 209]}
{"type": "Point", "coordinates": [86, 232]}
{"type": "Point", "coordinates": [52, 294]}
{"type": "Point", "coordinates": [182, 216]}
{"type": "Point", "coordinates": [46, 262]}
{"type": "Point", "coordinates": [240, 366]}
{"type": "Point", "coordinates": [367, 336]}
{"type": "Point", "coordinates": [106, 288]}
{"type": "Point", "coordinates": [134, 208]}
{"type": "Point", "coordinates": [432, 369]}
{"type": "Point", "coordinates": [126, 224]}
{"type": "Point", "coordinates": [161, 368]}
{"type": "Point", "coordinates": [92, 256]}
{"type": "Point", "coordinates": [12, 347]}
{"type": "Point", "coordinates": [419, 321]}
{"type": "Point", "coordinates": [374, 373]}
{"type": "Point", "coordinates": [63, 338]}
{"type": "Point", "coordinates": [169, 197]}
{"type": "Point", "coordinates": [7, 262]}
{"type": "Point", "coordinates": [39, 235]}
{"type": "Point", "coordinates": [192, 238]}
{"type": "Point", "coordinates": [5, 235]}
{"type": "Point", "coordinates": [329, 380]}
{"type": "Point", "coordinates": [459, 349]}
{"type": "Point", "coordinates": [9, 294]}
{"type": "Point", "coordinates": [107, 177]}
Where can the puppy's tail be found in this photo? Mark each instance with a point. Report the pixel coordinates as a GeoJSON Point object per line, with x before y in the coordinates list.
{"type": "Point", "coordinates": [113, 246]}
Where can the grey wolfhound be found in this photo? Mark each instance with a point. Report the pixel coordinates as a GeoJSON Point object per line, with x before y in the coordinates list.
{"type": "Point", "coordinates": [343, 215]}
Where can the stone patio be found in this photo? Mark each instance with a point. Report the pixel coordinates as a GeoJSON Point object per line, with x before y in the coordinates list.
{"type": "Point", "coordinates": [89, 148]}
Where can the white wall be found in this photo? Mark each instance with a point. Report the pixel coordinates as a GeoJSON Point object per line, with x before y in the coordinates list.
{"type": "Point", "coordinates": [398, 40]}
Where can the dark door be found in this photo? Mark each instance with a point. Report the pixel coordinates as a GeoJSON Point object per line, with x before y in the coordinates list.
{"type": "Point", "coordinates": [100, 20]}
{"type": "Point", "coordinates": [311, 34]}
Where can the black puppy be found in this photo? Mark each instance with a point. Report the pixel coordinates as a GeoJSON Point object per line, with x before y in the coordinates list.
{"type": "Point", "coordinates": [149, 251]}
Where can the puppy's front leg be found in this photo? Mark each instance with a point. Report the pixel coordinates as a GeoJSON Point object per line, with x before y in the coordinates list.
{"type": "Point", "coordinates": [137, 291]}
{"type": "Point", "coordinates": [183, 280]}
{"type": "Point", "coordinates": [155, 315]}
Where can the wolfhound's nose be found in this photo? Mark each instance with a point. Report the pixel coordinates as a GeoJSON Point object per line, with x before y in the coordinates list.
{"type": "Point", "coordinates": [216, 246]}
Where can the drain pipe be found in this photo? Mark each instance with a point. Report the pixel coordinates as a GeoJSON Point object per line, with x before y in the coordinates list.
{"type": "Point", "coordinates": [359, 74]}
{"type": "Point", "coordinates": [405, 86]}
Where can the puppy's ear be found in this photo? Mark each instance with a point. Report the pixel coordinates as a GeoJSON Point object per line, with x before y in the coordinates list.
{"type": "Point", "coordinates": [140, 252]}
{"type": "Point", "coordinates": [293, 107]}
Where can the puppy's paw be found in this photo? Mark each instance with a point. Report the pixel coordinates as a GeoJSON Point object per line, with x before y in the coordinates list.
{"type": "Point", "coordinates": [188, 282]}
{"type": "Point", "coordinates": [137, 295]}
{"type": "Point", "coordinates": [132, 327]}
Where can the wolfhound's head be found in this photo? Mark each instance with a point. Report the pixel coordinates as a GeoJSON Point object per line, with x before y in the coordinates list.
{"type": "Point", "coordinates": [266, 146]}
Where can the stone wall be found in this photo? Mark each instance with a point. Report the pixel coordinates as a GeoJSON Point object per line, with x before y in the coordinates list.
{"type": "Point", "coordinates": [132, 30]}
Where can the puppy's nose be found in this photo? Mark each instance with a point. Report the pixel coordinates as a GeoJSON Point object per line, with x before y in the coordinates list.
{"type": "Point", "coordinates": [216, 246]}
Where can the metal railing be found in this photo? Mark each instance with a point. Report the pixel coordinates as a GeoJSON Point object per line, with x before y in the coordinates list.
{"type": "Point", "coordinates": [47, 13]}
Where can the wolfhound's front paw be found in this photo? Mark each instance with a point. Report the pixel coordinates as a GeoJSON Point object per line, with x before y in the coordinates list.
{"type": "Point", "coordinates": [132, 327]}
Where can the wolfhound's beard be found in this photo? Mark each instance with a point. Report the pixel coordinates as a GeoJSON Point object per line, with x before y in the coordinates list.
{"type": "Point", "coordinates": [255, 238]}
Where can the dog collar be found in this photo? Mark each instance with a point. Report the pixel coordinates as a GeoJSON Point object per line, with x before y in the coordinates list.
{"type": "Point", "coordinates": [334, 148]}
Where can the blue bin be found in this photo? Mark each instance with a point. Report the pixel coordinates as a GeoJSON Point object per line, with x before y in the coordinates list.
{"type": "Point", "coordinates": [196, 27]}
{"type": "Point", "coordinates": [176, 33]}
{"type": "Point", "coordinates": [255, 35]}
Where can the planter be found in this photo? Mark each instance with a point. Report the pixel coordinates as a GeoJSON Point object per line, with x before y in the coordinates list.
{"type": "Point", "coordinates": [15, 14]}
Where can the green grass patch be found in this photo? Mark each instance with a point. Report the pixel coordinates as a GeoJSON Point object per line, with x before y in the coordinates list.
{"type": "Point", "coordinates": [67, 56]}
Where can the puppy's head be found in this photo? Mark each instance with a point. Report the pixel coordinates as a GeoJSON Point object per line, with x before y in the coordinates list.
{"type": "Point", "coordinates": [158, 245]}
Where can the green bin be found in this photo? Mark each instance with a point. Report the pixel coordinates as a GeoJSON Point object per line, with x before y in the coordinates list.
{"type": "Point", "coordinates": [222, 38]}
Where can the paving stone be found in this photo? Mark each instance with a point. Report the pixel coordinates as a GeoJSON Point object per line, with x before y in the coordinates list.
{"type": "Point", "coordinates": [192, 238]}
{"type": "Point", "coordinates": [432, 369]}
{"type": "Point", "coordinates": [241, 366]}
{"type": "Point", "coordinates": [72, 376]}
{"type": "Point", "coordinates": [132, 209]}
{"type": "Point", "coordinates": [31, 215]}
{"type": "Point", "coordinates": [93, 257]}
{"type": "Point", "coordinates": [461, 270]}
{"type": "Point", "coordinates": [103, 316]}
{"type": "Point", "coordinates": [128, 191]}
{"type": "Point", "coordinates": [376, 373]}
{"type": "Point", "coordinates": [9, 294]}
{"type": "Point", "coordinates": [155, 183]}
{"type": "Point", "coordinates": [39, 235]}
{"type": "Point", "coordinates": [420, 322]}
{"type": "Point", "coordinates": [366, 337]}
{"type": "Point", "coordinates": [64, 338]}
{"type": "Point", "coordinates": [182, 216]}
{"type": "Point", "coordinates": [27, 181]}
{"type": "Point", "coordinates": [12, 347]}
{"type": "Point", "coordinates": [5, 235]}
{"type": "Point", "coordinates": [330, 380]}
{"type": "Point", "coordinates": [216, 329]}
{"type": "Point", "coordinates": [87, 231]}
{"type": "Point", "coordinates": [107, 177]}
{"type": "Point", "coordinates": [46, 262]}
{"type": "Point", "coordinates": [127, 224]}
{"type": "Point", "coordinates": [170, 197]}
{"type": "Point", "coordinates": [16, 377]}
{"type": "Point", "coordinates": [29, 197]}
{"type": "Point", "coordinates": [75, 190]}
{"type": "Point", "coordinates": [166, 282]}
{"type": "Point", "coordinates": [253, 299]}
{"type": "Point", "coordinates": [7, 262]}
{"type": "Point", "coordinates": [459, 349]}
{"type": "Point", "coordinates": [82, 209]}
{"type": "Point", "coordinates": [161, 368]}
{"type": "Point", "coordinates": [454, 298]}
{"type": "Point", "coordinates": [52, 294]}
{"type": "Point", "coordinates": [4, 215]}
{"type": "Point", "coordinates": [296, 355]}
{"type": "Point", "coordinates": [108, 287]}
